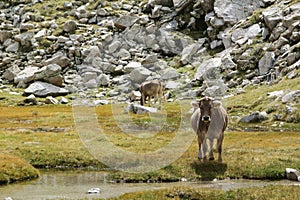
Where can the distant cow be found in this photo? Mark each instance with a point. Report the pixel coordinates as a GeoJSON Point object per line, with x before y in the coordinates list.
{"type": "Point", "coordinates": [151, 89]}
{"type": "Point", "coordinates": [209, 121]}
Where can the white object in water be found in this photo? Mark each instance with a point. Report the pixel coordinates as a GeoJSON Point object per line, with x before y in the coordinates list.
{"type": "Point", "coordinates": [8, 198]}
{"type": "Point", "coordinates": [94, 191]}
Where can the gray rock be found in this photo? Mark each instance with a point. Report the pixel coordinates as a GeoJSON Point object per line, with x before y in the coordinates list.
{"type": "Point", "coordinates": [63, 100]}
{"type": "Point", "coordinates": [103, 80]}
{"type": "Point", "coordinates": [11, 73]}
{"type": "Point", "coordinates": [4, 35]}
{"type": "Point", "coordinates": [292, 174]}
{"type": "Point", "coordinates": [131, 66]}
{"type": "Point", "coordinates": [31, 99]}
{"type": "Point", "coordinates": [276, 94]}
{"type": "Point", "coordinates": [216, 91]}
{"type": "Point", "coordinates": [91, 84]}
{"type": "Point", "coordinates": [26, 26]}
{"type": "Point", "coordinates": [25, 40]}
{"type": "Point", "coordinates": [87, 76]}
{"type": "Point", "coordinates": [13, 47]}
{"type": "Point", "coordinates": [51, 100]}
{"type": "Point", "coordinates": [101, 102]}
{"type": "Point", "coordinates": [91, 53]}
{"type": "Point", "coordinates": [114, 46]}
{"type": "Point", "coordinates": [51, 74]}
{"type": "Point", "coordinates": [138, 75]}
{"type": "Point", "coordinates": [255, 117]}
{"type": "Point", "coordinates": [169, 3]}
{"type": "Point", "coordinates": [190, 51]}
{"type": "Point", "coordinates": [266, 63]}
{"type": "Point", "coordinates": [26, 75]}
{"type": "Point", "coordinates": [125, 21]}
{"type": "Point", "coordinates": [58, 59]}
{"type": "Point", "coordinates": [70, 26]}
{"type": "Point", "coordinates": [138, 109]}
{"type": "Point", "coordinates": [170, 73]}
{"type": "Point", "coordinates": [103, 66]}
{"type": "Point", "coordinates": [232, 11]}
{"type": "Point", "coordinates": [172, 85]}
{"type": "Point", "coordinates": [209, 69]}
{"type": "Point", "coordinates": [42, 89]}
{"type": "Point", "coordinates": [124, 54]}
{"type": "Point", "coordinates": [272, 16]}
{"type": "Point", "coordinates": [291, 96]}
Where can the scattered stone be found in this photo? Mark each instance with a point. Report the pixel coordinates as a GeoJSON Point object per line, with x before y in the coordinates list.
{"type": "Point", "coordinates": [292, 174]}
{"type": "Point", "coordinates": [63, 100]}
{"type": "Point", "coordinates": [138, 109]}
{"type": "Point", "coordinates": [94, 191]}
{"type": "Point", "coordinates": [31, 99]}
{"type": "Point", "coordinates": [125, 21]}
{"type": "Point", "coordinates": [51, 100]}
{"type": "Point", "coordinates": [70, 26]}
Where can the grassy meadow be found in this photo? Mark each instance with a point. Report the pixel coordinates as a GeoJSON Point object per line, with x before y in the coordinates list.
{"type": "Point", "coordinates": [187, 193]}
{"type": "Point", "coordinates": [46, 136]}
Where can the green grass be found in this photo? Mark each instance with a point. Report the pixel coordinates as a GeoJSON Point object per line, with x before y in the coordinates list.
{"type": "Point", "coordinates": [256, 98]}
{"type": "Point", "coordinates": [45, 136]}
{"type": "Point", "coordinates": [187, 193]}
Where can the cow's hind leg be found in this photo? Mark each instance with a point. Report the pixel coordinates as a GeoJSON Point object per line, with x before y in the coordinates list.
{"type": "Point", "coordinates": [219, 146]}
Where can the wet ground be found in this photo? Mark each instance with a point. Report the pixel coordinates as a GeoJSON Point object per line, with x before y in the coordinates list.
{"type": "Point", "coordinates": [75, 185]}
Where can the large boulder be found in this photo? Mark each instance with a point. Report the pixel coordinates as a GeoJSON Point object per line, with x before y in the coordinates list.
{"type": "Point", "coordinates": [140, 74]}
{"type": "Point", "coordinates": [58, 59]}
{"type": "Point", "coordinates": [232, 11]}
{"type": "Point", "coordinates": [26, 75]}
{"type": "Point", "coordinates": [42, 89]}
{"type": "Point", "coordinates": [266, 63]}
{"type": "Point", "coordinates": [11, 73]}
{"type": "Point", "coordinates": [51, 74]}
{"type": "Point", "coordinates": [254, 117]}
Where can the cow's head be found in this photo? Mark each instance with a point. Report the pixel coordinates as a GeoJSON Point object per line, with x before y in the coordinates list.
{"type": "Point", "coordinates": [205, 104]}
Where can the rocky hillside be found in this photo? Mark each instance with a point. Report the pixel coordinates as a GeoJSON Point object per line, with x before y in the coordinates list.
{"type": "Point", "coordinates": [105, 49]}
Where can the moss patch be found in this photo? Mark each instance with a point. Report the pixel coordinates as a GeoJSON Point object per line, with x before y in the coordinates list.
{"type": "Point", "coordinates": [13, 168]}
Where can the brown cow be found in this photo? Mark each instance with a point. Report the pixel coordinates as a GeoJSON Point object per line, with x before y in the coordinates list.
{"type": "Point", "coordinates": [209, 121]}
{"type": "Point", "coordinates": [151, 89]}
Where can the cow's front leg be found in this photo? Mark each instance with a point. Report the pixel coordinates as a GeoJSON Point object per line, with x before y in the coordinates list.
{"type": "Point", "coordinates": [201, 154]}
{"type": "Point", "coordinates": [211, 154]}
{"type": "Point", "coordinates": [219, 147]}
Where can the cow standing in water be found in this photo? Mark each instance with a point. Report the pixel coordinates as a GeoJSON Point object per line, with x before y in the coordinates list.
{"type": "Point", "coordinates": [209, 121]}
{"type": "Point", "coordinates": [151, 89]}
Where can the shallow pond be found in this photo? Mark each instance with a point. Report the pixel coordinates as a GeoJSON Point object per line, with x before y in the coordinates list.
{"type": "Point", "coordinates": [75, 185]}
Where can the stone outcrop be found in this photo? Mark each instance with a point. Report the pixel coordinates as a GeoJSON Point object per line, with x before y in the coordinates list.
{"type": "Point", "coordinates": [195, 47]}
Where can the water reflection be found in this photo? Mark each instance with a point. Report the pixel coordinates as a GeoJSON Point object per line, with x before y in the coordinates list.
{"type": "Point", "coordinates": [75, 185]}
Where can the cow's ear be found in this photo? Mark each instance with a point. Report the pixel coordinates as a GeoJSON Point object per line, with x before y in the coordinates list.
{"type": "Point", "coordinates": [195, 104]}
{"type": "Point", "coordinates": [217, 103]}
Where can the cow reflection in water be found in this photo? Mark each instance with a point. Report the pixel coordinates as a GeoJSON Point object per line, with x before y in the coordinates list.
{"type": "Point", "coordinates": [209, 121]}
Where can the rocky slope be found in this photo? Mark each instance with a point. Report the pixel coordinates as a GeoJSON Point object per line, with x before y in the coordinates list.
{"type": "Point", "coordinates": [105, 49]}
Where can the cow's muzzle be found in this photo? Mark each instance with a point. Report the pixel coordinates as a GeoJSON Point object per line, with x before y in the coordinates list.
{"type": "Point", "coordinates": [206, 119]}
